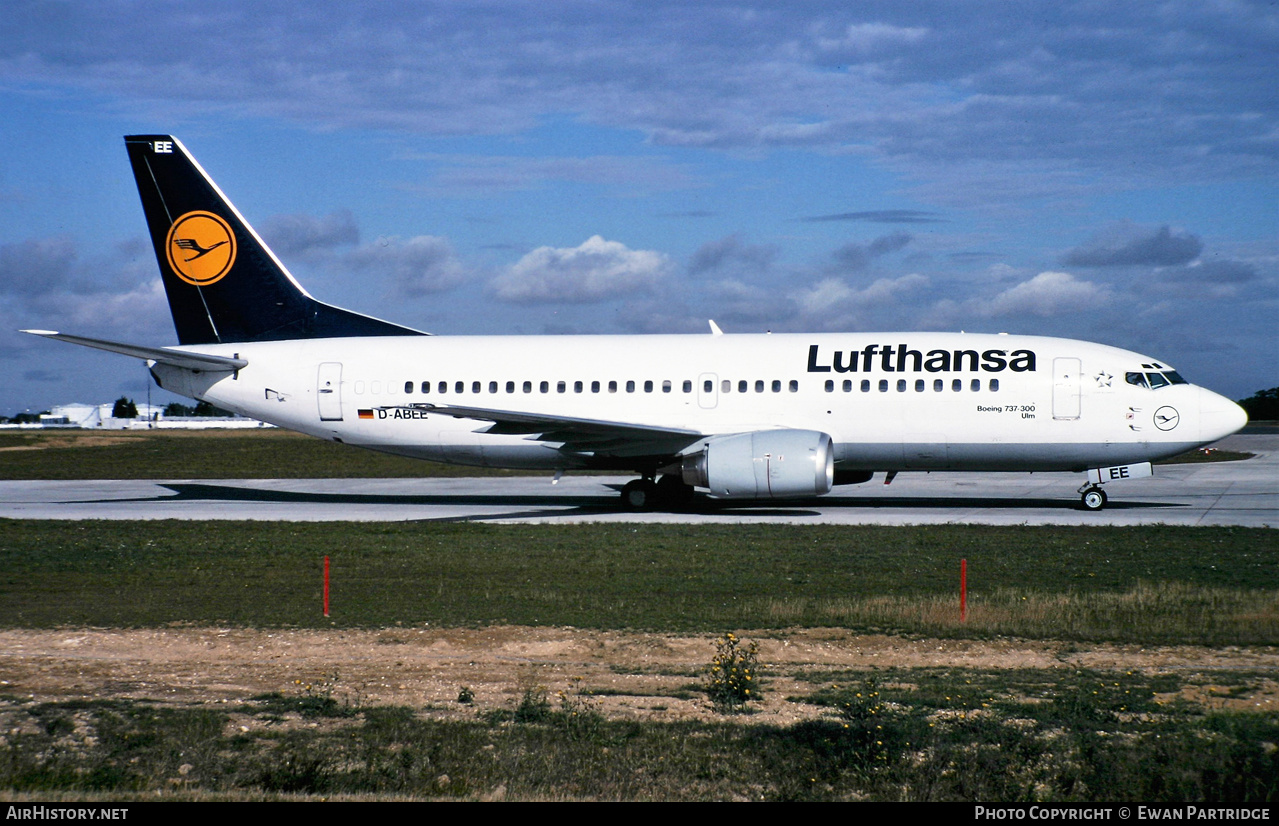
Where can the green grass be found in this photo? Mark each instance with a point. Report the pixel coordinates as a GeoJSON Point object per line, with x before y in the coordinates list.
{"type": "Point", "coordinates": [227, 454]}
{"type": "Point", "coordinates": [926, 734]}
{"type": "Point", "coordinates": [1152, 584]}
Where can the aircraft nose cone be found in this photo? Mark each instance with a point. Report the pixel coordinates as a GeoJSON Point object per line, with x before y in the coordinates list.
{"type": "Point", "coordinates": [1219, 416]}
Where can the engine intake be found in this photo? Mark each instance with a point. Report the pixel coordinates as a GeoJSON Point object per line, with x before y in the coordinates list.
{"type": "Point", "coordinates": [766, 464]}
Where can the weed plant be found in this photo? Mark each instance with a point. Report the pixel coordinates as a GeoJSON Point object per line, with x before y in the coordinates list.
{"type": "Point", "coordinates": [732, 678]}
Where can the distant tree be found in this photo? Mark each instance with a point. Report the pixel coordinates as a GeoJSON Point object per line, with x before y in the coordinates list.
{"type": "Point", "coordinates": [26, 418]}
{"type": "Point", "coordinates": [1262, 406]}
{"type": "Point", "coordinates": [124, 409]}
{"type": "Point", "coordinates": [178, 409]}
{"type": "Point", "coordinates": [205, 409]}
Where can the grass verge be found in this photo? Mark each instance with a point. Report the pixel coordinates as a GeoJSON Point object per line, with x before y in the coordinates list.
{"type": "Point", "coordinates": [1151, 584]}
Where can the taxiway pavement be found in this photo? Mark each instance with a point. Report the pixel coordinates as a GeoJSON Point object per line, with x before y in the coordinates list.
{"type": "Point", "coordinates": [1243, 493]}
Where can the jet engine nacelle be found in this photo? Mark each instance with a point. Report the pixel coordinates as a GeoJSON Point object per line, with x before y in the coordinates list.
{"type": "Point", "coordinates": [766, 464]}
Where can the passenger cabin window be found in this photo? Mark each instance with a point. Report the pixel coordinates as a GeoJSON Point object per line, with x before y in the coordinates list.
{"type": "Point", "coordinates": [443, 387]}
{"type": "Point", "coordinates": [560, 387]}
{"type": "Point", "coordinates": [612, 387]}
{"type": "Point", "coordinates": [708, 386]}
{"type": "Point", "coordinates": [492, 387]}
{"type": "Point", "coordinates": [666, 385]}
{"type": "Point", "coordinates": [543, 387]}
{"type": "Point", "coordinates": [510, 387]}
{"type": "Point", "coordinates": [577, 387]}
{"type": "Point", "coordinates": [688, 386]}
{"type": "Point", "coordinates": [426, 387]}
{"type": "Point", "coordinates": [475, 387]}
{"type": "Point", "coordinates": [883, 385]}
{"type": "Point", "coordinates": [994, 385]}
{"type": "Point", "coordinates": [630, 387]}
{"type": "Point", "coordinates": [830, 386]}
{"type": "Point", "coordinates": [408, 387]}
{"type": "Point", "coordinates": [595, 387]}
{"type": "Point", "coordinates": [528, 387]}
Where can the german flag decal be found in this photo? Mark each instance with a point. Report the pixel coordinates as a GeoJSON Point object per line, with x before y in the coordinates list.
{"type": "Point", "coordinates": [365, 413]}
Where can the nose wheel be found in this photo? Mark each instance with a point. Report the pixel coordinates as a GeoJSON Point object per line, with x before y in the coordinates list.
{"type": "Point", "coordinates": [1092, 497]}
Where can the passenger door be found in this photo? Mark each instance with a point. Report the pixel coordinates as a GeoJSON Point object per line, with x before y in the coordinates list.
{"type": "Point", "coordinates": [328, 391]}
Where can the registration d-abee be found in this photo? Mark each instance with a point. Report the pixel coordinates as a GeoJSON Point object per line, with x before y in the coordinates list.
{"type": "Point", "coordinates": [734, 416]}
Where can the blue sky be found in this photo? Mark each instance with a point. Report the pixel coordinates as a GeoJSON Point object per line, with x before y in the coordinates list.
{"type": "Point", "coordinates": [1085, 169]}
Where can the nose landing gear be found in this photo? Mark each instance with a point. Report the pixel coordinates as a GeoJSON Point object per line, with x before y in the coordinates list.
{"type": "Point", "coordinates": [1092, 497]}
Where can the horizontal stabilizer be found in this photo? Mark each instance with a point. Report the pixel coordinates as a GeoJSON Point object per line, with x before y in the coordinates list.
{"type": "Point", "coordinates": [159, 355]}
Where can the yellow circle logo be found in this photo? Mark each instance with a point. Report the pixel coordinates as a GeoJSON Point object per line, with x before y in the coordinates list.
{"type": "Point", "coordinates": [201, 248]}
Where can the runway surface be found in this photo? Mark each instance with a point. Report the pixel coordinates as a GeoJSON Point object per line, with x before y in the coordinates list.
{"type": "Point", "coordinates": [1244, 493]}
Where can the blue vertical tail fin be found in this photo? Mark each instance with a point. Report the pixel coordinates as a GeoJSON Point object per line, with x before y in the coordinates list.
{"type": "Point", "coordinates": [223, 283]}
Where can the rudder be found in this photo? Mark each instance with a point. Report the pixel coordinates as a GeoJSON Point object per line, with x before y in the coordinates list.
{"type": "Point", "coordinates": [223, 283]}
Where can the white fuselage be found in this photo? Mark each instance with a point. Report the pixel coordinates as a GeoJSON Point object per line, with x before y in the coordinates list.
{"type": "Point", "coordinates": [889, 401]}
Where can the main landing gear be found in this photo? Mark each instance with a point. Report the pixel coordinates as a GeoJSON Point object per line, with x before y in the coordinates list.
{"type": "Point", "coordinates": [1092, 497]}
{"type": "Point", "coordinates": [647, 495]}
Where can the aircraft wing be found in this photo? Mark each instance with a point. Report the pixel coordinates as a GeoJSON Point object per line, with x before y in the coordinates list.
{"type": "Point", "coordinates": [582, 435]}
{"type": "Point", "coordinates": [160, 355]}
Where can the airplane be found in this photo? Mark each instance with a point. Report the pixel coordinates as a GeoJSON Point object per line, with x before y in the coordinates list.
{"type": "Point", "coordinates": [734, 416]}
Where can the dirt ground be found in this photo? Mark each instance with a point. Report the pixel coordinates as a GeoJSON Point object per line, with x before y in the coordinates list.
{"type": "Point", "coordinates": [650, 676]}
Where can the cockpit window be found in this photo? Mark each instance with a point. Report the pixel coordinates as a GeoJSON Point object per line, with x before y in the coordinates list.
{"type": "Point", "coordinates": [1154, 380]}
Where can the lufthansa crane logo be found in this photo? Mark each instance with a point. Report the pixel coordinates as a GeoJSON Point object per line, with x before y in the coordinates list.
{"type": "Point", "coordinates": [201, 248]}
{"type": "Point", "coordinates": [1166, 418]}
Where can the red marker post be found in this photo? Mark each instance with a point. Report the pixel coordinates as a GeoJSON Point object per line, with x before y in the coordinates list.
{"type": "Point", "coordinates": [326, 586]}
{"type": "Point", "coordinates": [963, 590]}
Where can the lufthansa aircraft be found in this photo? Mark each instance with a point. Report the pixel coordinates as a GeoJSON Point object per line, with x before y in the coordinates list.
{"type": "Point", "coordinates": [738, 416]}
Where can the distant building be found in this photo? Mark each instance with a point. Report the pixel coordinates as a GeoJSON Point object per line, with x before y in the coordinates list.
{"type": "Point", "coordinates": [149, 416]}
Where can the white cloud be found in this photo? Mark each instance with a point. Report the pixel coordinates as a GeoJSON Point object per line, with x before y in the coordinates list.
{"type": "Point", "coordinates": [483, 175]}
{"type": "Point", "coordinates": [594, 271]}
{"type": "Point", "coordinates": [416, 267]}
{"type": "Point", "coordinates": [300, 234]}
{"type": "Point", "coordinates": [834, 295]}
{"type": "Point", "coordinates": [864, 37]}
{"type": "Point", "coordinates": [1029, 106]}
{"type": "Point", "coordinates": [1048, 294]}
